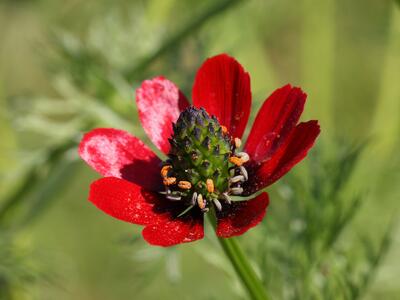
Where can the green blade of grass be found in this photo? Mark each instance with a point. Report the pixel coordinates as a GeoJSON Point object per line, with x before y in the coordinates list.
{"type": "Point", "coordinates": [385, 125]}
{"type": "Point", "coordinates": [318, 28]}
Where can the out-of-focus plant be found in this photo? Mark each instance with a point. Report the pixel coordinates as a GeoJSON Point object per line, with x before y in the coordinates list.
{"type": "Point", "coordinates": [309, 246]}
{"type": "Point", "coordinates": [19, 268]}
{"type": "Point", "coordinates": [91, 81]}
{"type": "Point", "coordinates": [308, 258]}
{"type": "Point", "coordinates": [43, 176]}
{"type": "Point", "coordinates": [150, 260]}
{"type": "Point", "coordinates": [92, 78]}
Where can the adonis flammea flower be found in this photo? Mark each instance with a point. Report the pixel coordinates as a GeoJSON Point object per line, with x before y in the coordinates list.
{"type": "Point", "coordinates": [207, 168]}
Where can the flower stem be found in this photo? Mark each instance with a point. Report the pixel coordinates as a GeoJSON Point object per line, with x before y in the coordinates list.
{"type": "Point", "coordinates": [241, 265]}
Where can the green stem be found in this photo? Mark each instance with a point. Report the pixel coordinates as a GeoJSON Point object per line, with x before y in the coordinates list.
{"type": "Point", "coordinates": [241, 265]}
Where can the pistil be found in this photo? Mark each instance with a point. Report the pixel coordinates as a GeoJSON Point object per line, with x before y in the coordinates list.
{"type": "Point", "coordinates": [204, 167]}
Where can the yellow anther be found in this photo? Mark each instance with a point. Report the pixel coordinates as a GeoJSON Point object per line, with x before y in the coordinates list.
{"type": "Point", "coordinates": [236, 161]}
{"type": "Point", "coordinates": [165, 170]}
{"type": "Point", "coordinates": [185, 185]}
{"type": "Point", "coordinates": [210, 185]}
{"type": "Point", "coordinates": [238, 142]}
{"type": "Point", "coordinates": [224, 129]}
{"type": "Point", "coordinates": [200, 202]}
{"type": "Point", "coordinates": [169, 180]}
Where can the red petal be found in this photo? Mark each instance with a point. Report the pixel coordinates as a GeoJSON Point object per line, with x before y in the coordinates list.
{"type": "Point", "coordinates": [238, 217]}
{"type": "Point", "coordinates": [113, 152]}
{"type": "Point", "coordinates": [174, 231]}
{"type": "Point", "coordinates": [222, 87]}
{"type": "Point", "coordinates": [159, 102]}
{"type": "Point", "coordinates": [129, 202]}
{"type": "Point", "coordinates": [275, 120]}
{"type": "Point", "coordinates": [124, 200]}
{"type": "Point", "coordinates": [295, 148]}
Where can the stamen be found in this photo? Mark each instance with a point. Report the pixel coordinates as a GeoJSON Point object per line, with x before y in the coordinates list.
{"type": "Point", "coordinates": [243, 156]}
{"type": "Point", "coordinates": [227, 198]}
{"type": "Point", "coordinates": [169, 180]}
{"type": "Point", "coordinates": [236, 179]}
{"type": "Point", "coordinates": [218, 204]}
{"type": "Point", "coordinates": [165, 170]}
{"type": "Point", "coordinates": [236, 191]}
{"type": "Point", "coordinates": [185, 185]}
{"type": "Point", "coordinates": [166, 192]}
{"type": "Point", "coordinates": [238, 142]}
{"type": "Point", "coordinates": [201, 202]}
{"type": "Point", "coordinates": [194, 199]}
{"type": "Point", "coordinates": [173, 197]}
{"type": "Point", "coordinates": [236, 161]}
{"type": "Point", "coordinates": [210, 185]}
{"type": "Point", "coordinates": [232, 171]}
{"type": "Point", "coordinates": [243, 171]}
{"type": "Point", "coordinates": [224, 129]}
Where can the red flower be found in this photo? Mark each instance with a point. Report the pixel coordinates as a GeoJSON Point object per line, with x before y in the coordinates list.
{"type": "Point", "coordinates": [130, 189]}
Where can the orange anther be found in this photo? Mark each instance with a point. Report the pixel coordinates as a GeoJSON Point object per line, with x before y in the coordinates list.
{"type": "Point", "coordinates": [169, 180]}
{"type": "Point", "coordinates": [210, 185]}
{"type": "Point", "coordinates": [224, 129]}
{"type": "Point", "coordinates": [186, 185]}
{"type": "Point", "coordinates": [165, 170]}
{"type": "Point", "coordinates": [236, 161]}
{"type": "Point", "coordinates": [243, 156]}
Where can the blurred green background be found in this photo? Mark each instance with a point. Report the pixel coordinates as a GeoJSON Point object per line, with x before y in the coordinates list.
{"type": "Point", "coordinates": [68, 66]}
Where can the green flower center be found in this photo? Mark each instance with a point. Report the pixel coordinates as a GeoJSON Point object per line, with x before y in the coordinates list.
{"type": "Point", "coordinates": [202, 167]}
